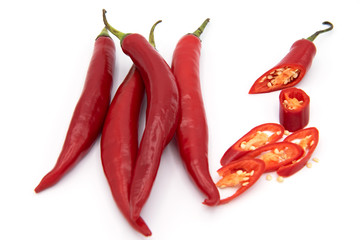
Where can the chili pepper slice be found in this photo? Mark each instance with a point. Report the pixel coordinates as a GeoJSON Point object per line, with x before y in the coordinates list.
{"type": "Point", "coordinates": [89, 113]}
{"type": "Point", "coordinates": [162, 113]}
{"type": "Point", "coordinates": [192, 132]}
{"type": "Point", "coordinates": [240, 173]}
{"type": "Point", "coordinates": [276, 154]}
{"type": "Point", "coordinates": [294, 109]}
{"type": "Point", "coordinates": [292, 68]}
{"type": "Point", "coordinates": [258, 136]}
{"type": "Point", "coordinates": [308, 139]}
{"type": "Point", "coordinates": [119, 141]}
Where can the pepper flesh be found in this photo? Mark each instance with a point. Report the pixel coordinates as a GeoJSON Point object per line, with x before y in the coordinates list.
{"type": "Point", "coordinates": [192, 132]}
{"type": "Point", "coordinates": [294, 109]}
{"type": "Point", "coordinates": [308, 139]}
{"type": "Point", "coordinates": [240, 173]}
{"type": "Point", "coordinates": [276, 154]}
{"type": "Point", "coordinates": [258, 136]}
{"type": "Point", "coordinates": [89, 113]}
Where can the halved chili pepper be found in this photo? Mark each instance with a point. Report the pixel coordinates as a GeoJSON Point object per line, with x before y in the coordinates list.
{"type": "Point", "coordinates": [258, 136]}
{"type": "Point", "coordinates": [294, 109]}
{"type": "Point", "coordinates": [276, 154]}
{"type": "Point", "coordinates": [162, 113]}
{"type": "Point", "coordinates": [89, 113]}
{"type": "Point", "coordinates": [119, 141]}
{"type": "Point", "coordinates": [192, 132]}
{"type": "Point", "coordinates": [308, 139]}
{"type": "Point", "coordinates": [292, 68]}
{"type": "Point", "coordinates": [242, 174]}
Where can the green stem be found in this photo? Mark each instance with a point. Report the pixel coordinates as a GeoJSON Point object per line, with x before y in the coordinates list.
{"type": "Point", "coordinates": [104, 33]}
{"type": "Point", "coordinates": [117, 33]}
{"type": "Point", "coordinates": [331, 26]}
{"type": "Point", "coordinates": [151, 35]}
{"type": "Point", "coordinates": [200, 30]}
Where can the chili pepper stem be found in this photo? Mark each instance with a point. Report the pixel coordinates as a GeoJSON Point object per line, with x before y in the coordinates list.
{"type": "Point", "coordinates": [117, 33]}
{"type": "Point", "coordinates": [104, 33]}
{"type": "Point", "coordinates": [151, 35]}
{"type": "Point", "coordinates": [200, 29]}
{"type": "Point", "coordinates": [312, 37]}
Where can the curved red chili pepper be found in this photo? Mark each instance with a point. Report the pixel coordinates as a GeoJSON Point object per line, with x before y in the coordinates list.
{"type": "Point", "coordinates": [192, 132]}
{"type": "Point", "coordinates": [294, 109]}
{"type": "Point", "coordinates": [162, 113]}
{"type": "Point", "coordinates": [258, 136]}
{"type": "Point", "coordinates": [308, 139]}
{"type": "Point", "coordinates": [275, 154]}
{"type": "Point", "coordinates": [240, 173]}
{"type": "Point", "coordinates": [119, 141]}
{"type": "Point", "coordinates": [89, 113]}
{"type": "Point", "coordinates": [292, 68]}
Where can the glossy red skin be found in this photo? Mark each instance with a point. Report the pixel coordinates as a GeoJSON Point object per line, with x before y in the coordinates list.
{"type": "Point", "coordinates": [89, 113]}
{"type": "Point", "coordinates": [235, 151]}
{"type": "Point", "coordinates": [300, 56]}
{"type": "Point", "coordinates": [192, 132]}
{"type": "Point", "coordinates": [119, 143]}
{"type": "Point", "coordinates": [294, 153]}
{"type": "Point", "coordinates": [162, 116]}
{"type": "Point", "coordinates": [246, 165]}
{"type": "Point", "coordinates": [294, 119]}
{"type": "Point", "coordinates": [292, 168]}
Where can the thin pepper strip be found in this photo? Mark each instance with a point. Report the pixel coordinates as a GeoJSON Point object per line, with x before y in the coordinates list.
{"type": "Point", "coordinates": [308, 139]}
{"type": "Point", "coordinates": [294, 112]}
{"type": "Point", "coordinates": [258, 136]}
{"type": "Point", "coordinates": [192, 132]}
{"type": "Point", "coordinates": [292, 68]}
{"type": "Point", "coordinates": [89, 113]}
{"type": "Point", "coordinates": [162, 113]}
{"type": "Point", "coordinates": [119, 141]}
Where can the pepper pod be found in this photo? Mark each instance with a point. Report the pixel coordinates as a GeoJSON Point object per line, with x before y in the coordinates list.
{"type": "Point", "coordinates": [294, 109]}
{"type": "Point", "coordinates": [292, 68]}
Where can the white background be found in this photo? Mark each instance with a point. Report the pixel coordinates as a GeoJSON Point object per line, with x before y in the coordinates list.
{"type": "Point", "coordinates": [45, 50]}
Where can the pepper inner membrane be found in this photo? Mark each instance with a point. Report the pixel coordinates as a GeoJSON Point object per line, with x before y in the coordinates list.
{"type": "Point", "coordinates": [235, 179]}
{"type": "Point", "coordinates": [259, 139]}
{"type": "Point", "coordinates": [292, 103]}
{"type": "Point", "coordinates": [281, 76]}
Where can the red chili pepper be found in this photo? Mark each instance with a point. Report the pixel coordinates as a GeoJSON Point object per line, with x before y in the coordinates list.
{"type": "Point", "coordinates": [276, 154]}
{"type": "Point", "coordinates": [292, 68]}
{"type": "Point", "coordinates": [242, 174]}
{"type": "Point", "coordinates": [162, 113]}
{"type": "Point", "coordinates": [119, 141]}
{"type": "Point", "coordinates": [294, 109]}
{"type": "Point", "coordinates": [258, 136]}
{"type": "Point", "coordinates": [89, 113]}
{"type": "Point", "coordinates": [192, 132]}
{"type": "Point", "coordinates": [306, 138]}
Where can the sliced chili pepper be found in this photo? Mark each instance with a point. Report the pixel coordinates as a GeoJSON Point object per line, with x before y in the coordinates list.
{"type": "Point", "coordinates": [308, 139]}
{"type": "Point", "coordinates": [276, 154]}
{"type": "Point", "coordinates": [242, 174]}
{"type": "Point", "coordinates": [292, 68]}
{"type": "Point", "coordinates": [119, 141]}
{"type": "Point", "coordinates": [89, 113]}
{"type": "Point", "coordinates": [162, 113]}
{"type": "Point", "coordinates": [258, 136]}
{"type": "Point", "coordinates": [192, 132]}
{"type": "Point", "coordinates": [294, 109]}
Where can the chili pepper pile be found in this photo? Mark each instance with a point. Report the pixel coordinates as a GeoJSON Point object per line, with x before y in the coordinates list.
{"type": "Point", "coordinates": [175, 109]}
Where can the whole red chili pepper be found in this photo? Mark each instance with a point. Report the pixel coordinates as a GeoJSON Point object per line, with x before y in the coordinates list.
{"type": "Point", "coordinates": [162, 113]}
{"type": "Point", "coordinates": [119, 141]}
{"type": "Point", "coordinates": [90, 111]}
{"type": "Point", "coordinates": [294, 109]}
{"type": "Point", "coordinates": [192, 132]}
{"type": "Point", "coordinates": [292, 68]}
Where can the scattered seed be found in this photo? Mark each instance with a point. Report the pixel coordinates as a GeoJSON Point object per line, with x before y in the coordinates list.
{"type": "Point", "coordinates": [280, 179]}
{"type": "Point", "coordinates": [315, 160]}
{"type": "Point", "coordinates": [309, 165]}
{"type": "Point", "coordinates": [276, 151]}
{"type": "Point", "coordinates": [278, 132]}
{"type": "Point", "coordinates": [252, 148]}
{"type": "Point", "coordinates": [268, 177]}
{"type": "Point", "coordinates": [239, 172]}
{"type": "Point", "coordinates": [243, 145]}
{"type": "Point", "coordinates": [286, 132]}
{"type": "Point", "coordinates": [245, 178]}
{"type": "Point", "coordinates": [269, 84]}
{"type": "Point", "coordinates": [269, 77]}
{"type": "Point", "coordinates": [245, 183]}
